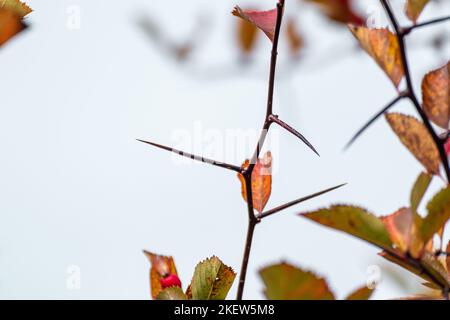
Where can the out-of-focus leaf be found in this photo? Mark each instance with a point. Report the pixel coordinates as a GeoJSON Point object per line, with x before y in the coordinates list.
{"type": "Point", "coordinates": [247, 34]}
{"type": "Point", "coordinates": [399, 226]}
{"type": "Point", "coordinates": [295, 40]}
{"type": "Point", "coordinates": [415, 137]}
{"type": "Point", "coordinates": [12, 13]}
{"type": "Point", "coordinates": [431, 285]}
{"type": "Point", "coordinates": [382, 45]}
{"type": "Point", "coordinates": [161, 266]}
{"type": "Point", "coordinates": [418, 191]}
{"type": "Point", "coordinates": [212, 280]}
{"type": "Point", "coordinates": [264, 20]}
{"type": "Point", "coordinates": [363, 293]}
{"type": "Point", "coordinates": [172, 293]}
{"type": "Point", "coordinates": [414, 8]}
{"type": "Point", "coordinates": [438, 214]}
{"type": "Point", "coordinates": [286, 282]}
{"type": "Point", "coordinates": [355, 221]}
{"type": "Point", "coordinates": [339, 10]}
{"type": "Point", "coordinates": [15, 6]}
{"type": "Point", "coordinates": [436, 96]}
{"type": "Point", "coordinates": [10, 25]}
{"type": "Point", "coordinates": [261, 181]}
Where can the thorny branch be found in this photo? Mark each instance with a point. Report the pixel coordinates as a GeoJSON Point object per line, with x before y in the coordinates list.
{"type": "Point", "coordinates": [270, 118]}
{"type": "Point", "coordinates": [401, 33]}
{"type": "Point", "coordinates": [409, 93]}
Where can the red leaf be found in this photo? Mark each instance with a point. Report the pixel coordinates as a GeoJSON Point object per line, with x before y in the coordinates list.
{"type": "Point", "coordinates": [264, 20]}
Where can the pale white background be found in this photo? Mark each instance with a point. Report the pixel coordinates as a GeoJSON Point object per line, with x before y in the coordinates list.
{"type": "Point", "coordinates": [77, 189]}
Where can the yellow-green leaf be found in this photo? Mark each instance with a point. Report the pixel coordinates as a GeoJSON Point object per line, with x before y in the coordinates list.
{"type": "Point", "coordinates": [354, 221]}
{"type": "Point", "coordinates": [418, 191]}
{"type": "Point", "coordinates": [414, 8]}
{"type": "Point", "coordinates": [414, 136]}
{"type": "Point", "coordinates": [382, 45]}
{"type": "Point", "coordinates": [286, 282]}
{"type": "Point", "coordinates": [436, 96]}
{"type": "Point", "coordinates": [363, 293]}
{"type": "Point", "coordinates": [438, 214]}
{"type": "Point", "coordinates": [172, 293]}
{"type": "Point", "coordinates": [212, 280]}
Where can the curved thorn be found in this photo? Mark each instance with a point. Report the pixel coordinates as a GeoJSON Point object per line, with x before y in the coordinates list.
{"type": "Point", "coordinates": [373, 119]}
{"type": "Point", "coordinates": [194, 157]}
{"type": "Point", "coordinates": [295, 202]}
{"type": "Point", "coordinates": [288, 128]}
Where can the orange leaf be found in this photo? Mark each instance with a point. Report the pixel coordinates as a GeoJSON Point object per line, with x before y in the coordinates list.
{"type": "Point", "coordinates": [247, 35]}
{"type": "Point", "coordinates": [161, 266]}
{"type": "Point", "coordinates": [264, 20]}
{"type": "Point", "coordinates": [415, 137]}
{"type": "Point", "coordinates": [10, 25]}
{"type": "Point", "coordinates": [339, 10]}
{"type": "Point", "coordinates": [414, 8]}
{"type": "Point", "coordinates": [382, 45]}
{"type": "Point", "coordinates": [399, 226]}
{"type": "Point", "coordinates": [295, 40]}
{"type": "Point", "coordinates": [436, 96]}
{"type": "Point", "coordinates": [403, 227]}
{"type": "Point", "coordinates": [261, 181]}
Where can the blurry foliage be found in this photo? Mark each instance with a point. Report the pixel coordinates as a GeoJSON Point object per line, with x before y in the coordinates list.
{"type": "Point", "coordinates": [12, 14]}
{"type": "Point", "coordinates": [405, 237]}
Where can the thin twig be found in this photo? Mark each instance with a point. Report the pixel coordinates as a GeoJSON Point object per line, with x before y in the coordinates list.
{"type": "Point", "coordinates": [407, 30]}
{"type": "Point", "coordinates": [295, 202]}
{"type": "Point", "coordinates": [410, 87]}
{"type": "Point", "coordinates": [194, 157]}
{"type": "Point", "coordinates": [374, 118]}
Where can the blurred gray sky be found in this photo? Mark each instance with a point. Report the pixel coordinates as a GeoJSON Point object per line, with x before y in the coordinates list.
{"type": "Point", "coordinates": [78, 190]}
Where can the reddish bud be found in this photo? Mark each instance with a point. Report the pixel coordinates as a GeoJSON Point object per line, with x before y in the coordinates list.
{"type": "Point", "coordinates": [447, 147]}
{"type": "Point", "coordinates": [170, 281]}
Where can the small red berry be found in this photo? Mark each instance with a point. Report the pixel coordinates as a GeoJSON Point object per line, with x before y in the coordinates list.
{"type": "Point", "coordinates": [170, 280]}
{"type": "Point", "coordinates": [447, 147]}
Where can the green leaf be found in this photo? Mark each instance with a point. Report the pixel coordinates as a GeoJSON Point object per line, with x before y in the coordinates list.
{"type": "Point", "coordinates": [363, 293]}
{"type": "Point", "coordinates": [16, 6]}
{"type": "Point", "coordinates": [286, 282]}
{"type": "Point", "coordinates": [212, 280]}
{"type": "Point", "coordinates": [172, 293]}
{"type": "Point", "coordinates": [438, 214]}
{"type": "Point", "coordinates": [355, 221]}
{"type": "Point", "coordinates": [418, 191]}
